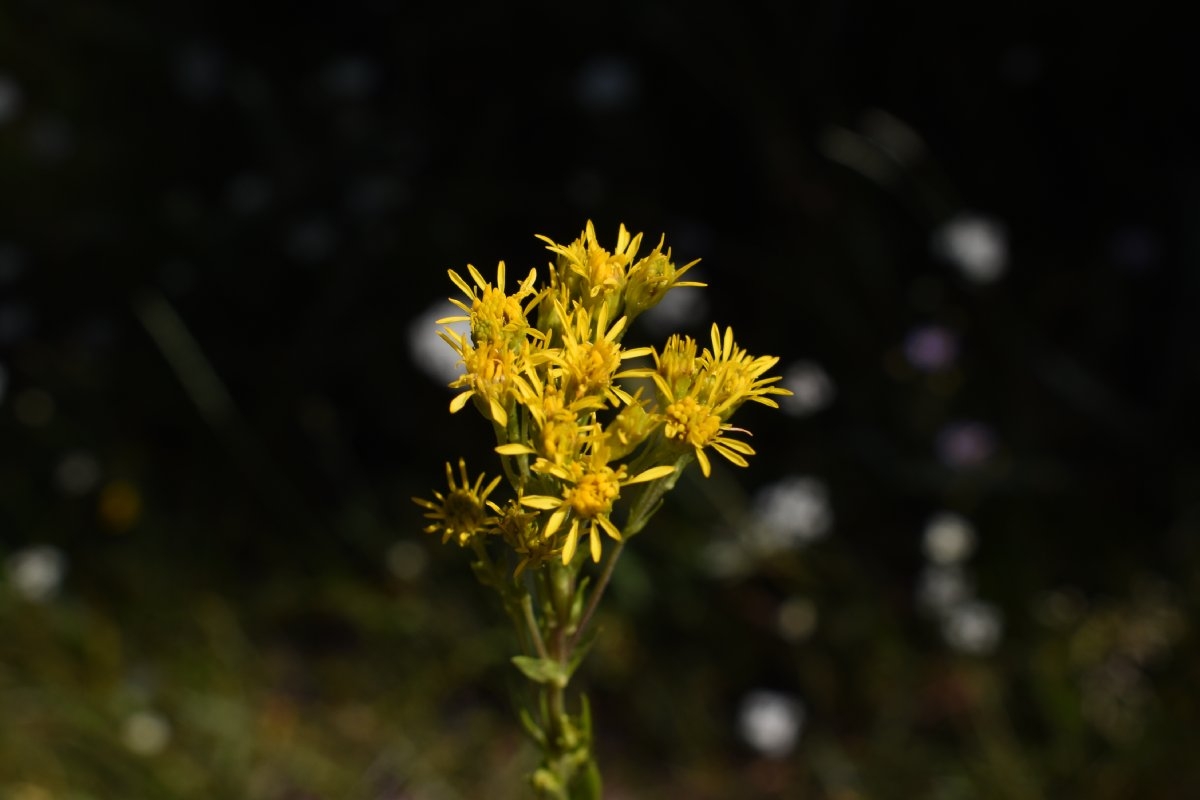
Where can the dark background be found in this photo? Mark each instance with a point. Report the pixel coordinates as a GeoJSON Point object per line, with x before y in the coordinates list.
{"type": "Point", "coordinates": [218, 224]}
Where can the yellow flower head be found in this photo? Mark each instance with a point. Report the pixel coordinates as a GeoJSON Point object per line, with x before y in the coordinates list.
{"type": "Point", "coordinates": [593, 275]}
{"type": "Point", "coordinates": [494, 374]}
{"type": "Point", "coordinates": [519, 530]}
{"type": "Point", "coordinates": [494, 315]}
{"type": "Point", "coordinates": [591, 487]}
{"type": "Point", "coordinates": [651, 278]}
{"type": "Point", "coordinates": [734, 376]}
{"type": "Point", "coordinates": [697, 425]}
{"type": "Point", "coordinates": [559, 429]}
{"type": "Point", "coordinates": [698, 394]}
{"type": "Point", "coordinates": [632, 426]}
{"type": "Point", "coordinates": [676, 367]}
{"type": "Point", "coordinates": [465, 511]}
{"type": "Point", "coordinates": [591, 354]}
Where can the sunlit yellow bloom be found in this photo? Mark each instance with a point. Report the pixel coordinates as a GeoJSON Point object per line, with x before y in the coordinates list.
{"type": "Point", "coordinates": [734, 376]}
{"type": "Point", "coordinates": [465, 511]}
{"type": "Point", "coordinates": [632, 425]}
{"type": "Point", "coordinates": [590, 489]}
{"type": "Point", "coordinates": [697, 425]}
{"type": "Point", "coordinates": [591, 354]}
{"type": "Point", "coordinates": [494, 315]}
{"type": "Point", "coordinates": [559, 428]}
{"type": "Point", "coordinates": [494, 372]}
{"type": "Point", "coordinates": [546, 400]}
{"type": "Point", "coordinates": [676, 367]}
{"type": "Point", "coordinates": [651, 278]}
{"type": "Point", "coordinates": [699, 393]}
{"type": "Point", "coordinates": [592, 272]}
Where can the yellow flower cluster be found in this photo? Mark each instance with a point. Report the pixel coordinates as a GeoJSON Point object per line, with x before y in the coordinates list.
{"type": "Point", "coordinates": [545, 364]}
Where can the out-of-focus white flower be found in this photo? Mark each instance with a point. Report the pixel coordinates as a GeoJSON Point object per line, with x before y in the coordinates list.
{"type": "Point", "coordinates": [679, 309]}
{"type": "Point", "coordinates": [146, 733]}
{"type": "Point", "coordinates": [811, 387]}
{"type": "Point", "coordinates": [428, 350]}
{"type": "Point", "coordinates": [973, 627]}
{"type": "Point", "coordinates": [948, 539]}
{"type": "Point", "coordinates": [976, 245]}
{"type": "Point", "coordinates": [36, 572]}
{"type": "Point", "coordinates": [770, 722]}
{"type": "Point", "coordinates": [941, 587]}
{"type": "Point", "coordinates": [791, 513]}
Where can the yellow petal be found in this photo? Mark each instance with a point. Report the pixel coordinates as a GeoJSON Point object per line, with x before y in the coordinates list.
{"type": "Point", "coordinates": [595, 537]}
{"type": "Point", "coordinates": [515, 449]}
{"type": "Point", "coordinates": [705, 467]}
{"type": "Point", "coordinates": [542, 501]}
{"type": "Point", "coordinates": [478, 278]}
{"type": "Point", "coordinates": [571, 543]}
{"type": "Point", "coordinates": [735, 445]}
{"type": "Point", "coordinates": [498, 412]}
{"type": "Point", "coordinates": [555, 521]}
{"type": "Point", "coordinates": [652, 474]}
{"type": "Point", "coordinates": [457, 280]}
{"type": "Point", "coordinates": [609, 528]}
{"type": "Point", "coordinates": [729, 454]}
{"type": "Point", "coordinates": [459, 401]}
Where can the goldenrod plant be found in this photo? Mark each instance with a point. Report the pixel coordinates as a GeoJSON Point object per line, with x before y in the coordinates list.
{"type": "Point", "coordinates": [590, 436]}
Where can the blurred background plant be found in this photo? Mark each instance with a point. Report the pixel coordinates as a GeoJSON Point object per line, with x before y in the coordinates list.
{"type": "Point", "coordinates": [965, 567]}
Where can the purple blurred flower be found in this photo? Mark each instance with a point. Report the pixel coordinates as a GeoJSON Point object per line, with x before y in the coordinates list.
{"type": "Point", "coordinates": [931, 348]}
{"type": "Point", "coordinates": [965, 443]}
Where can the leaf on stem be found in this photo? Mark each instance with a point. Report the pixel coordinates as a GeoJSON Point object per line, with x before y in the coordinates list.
{"type": "Point", "coordinates": [542, 670]}
{"type": "Point", "coordinates": [531, 727]}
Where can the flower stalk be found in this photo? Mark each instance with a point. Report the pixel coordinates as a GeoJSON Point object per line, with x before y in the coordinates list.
{"type": "Point", "coordinates": [586, 456]}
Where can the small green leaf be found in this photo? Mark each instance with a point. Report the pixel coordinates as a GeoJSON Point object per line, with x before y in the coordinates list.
{"type": "Point", "coordinates": [586, 783]}
{"type": "Point", "coordinates": [531, 727]}
{"type": "Point", "coordinates": [546, 783]}
{"type": "Point", "coordinates": [542, 670]}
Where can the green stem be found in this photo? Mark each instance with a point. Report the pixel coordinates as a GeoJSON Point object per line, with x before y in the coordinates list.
{"type": "Point", "coordinates": [535, 632]}
{"type": "Point", "coordinates": [594, 598]}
